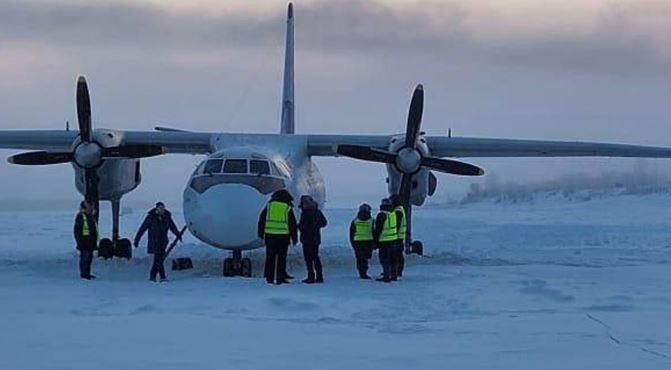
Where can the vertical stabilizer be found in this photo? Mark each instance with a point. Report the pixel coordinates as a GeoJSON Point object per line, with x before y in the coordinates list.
{"type": "Point", "coordinates": [288, 84]}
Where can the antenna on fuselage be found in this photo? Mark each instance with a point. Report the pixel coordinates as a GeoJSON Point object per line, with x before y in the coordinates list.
{"type": "Point", "coordinates": [287, 123]}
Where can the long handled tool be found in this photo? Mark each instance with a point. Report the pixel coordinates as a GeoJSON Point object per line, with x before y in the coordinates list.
{"type": "Point", "coordinates": [182, 263]}
{"type": "Point", "coordinates": [174, 242]}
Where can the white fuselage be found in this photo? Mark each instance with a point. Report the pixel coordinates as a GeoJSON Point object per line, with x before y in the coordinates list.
{"type": "Point", "coordinates": [230, 188]}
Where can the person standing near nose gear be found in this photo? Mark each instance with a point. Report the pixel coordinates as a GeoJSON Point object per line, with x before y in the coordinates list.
{"type": "Point", "coordinates": [277, 228]}
{"type": "Point", "coordinates": [385, 235]}
{"type": "Point", "coordinates": [399, 248]}
{"type": "Point", "coordinates": [158, 222]}
{"type": "Point", "coordinates": [86, 236]}
{"type": "Point", "coordinates": [310, 225]}
{"type": "Point", "coordinates": [361, 239]}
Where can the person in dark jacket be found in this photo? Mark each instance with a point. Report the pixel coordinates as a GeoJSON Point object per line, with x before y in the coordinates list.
{"type": "Point", "coordinates": [277, 228]}
{"type": "Point", "coordinates": [86, 236]}
{"type": "Point", "coordinates": [361, 239]}
{"type": "Point", "coordinates": [310, 225]}
{"type": "Point", "coordinates": [158, 222]}
{"type": "Point", "coordinates": [385, 235]}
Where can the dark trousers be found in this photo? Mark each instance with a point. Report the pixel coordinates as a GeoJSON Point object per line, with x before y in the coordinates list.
{"type": "Point", "coordinates": [157, 266]}
{"type": "Point", "coordinates": [312, 262]}
{"type": "Point", "coordinates": [276, 259]}
{"type": "Point", "coordinates": [363, 251]}
{"type": "Point", "coordinates": [386, 253]}
{"type": "Point", "coordinates": [85, 260]}
{"type": "Point", "coordinates": [399, 258]}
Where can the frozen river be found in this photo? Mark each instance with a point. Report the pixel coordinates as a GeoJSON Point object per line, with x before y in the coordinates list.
{"type": "Point", "coordinates": [544, 285]}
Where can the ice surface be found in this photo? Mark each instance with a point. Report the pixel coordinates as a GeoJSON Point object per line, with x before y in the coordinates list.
{"type": "Point", "coordinates": [543, 285]}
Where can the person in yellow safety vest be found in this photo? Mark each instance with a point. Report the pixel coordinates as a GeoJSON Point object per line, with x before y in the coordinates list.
{"type": "Point", "coordinates": [385, 235]}
{"type": "Point", "coordinates": [86, 236]}
{"type": "Point", "coordinates": [277, 228]}
{"type": "Point", "coordinates": [361, 239]}
{"type": "Point", "coordinates": [398, 259]}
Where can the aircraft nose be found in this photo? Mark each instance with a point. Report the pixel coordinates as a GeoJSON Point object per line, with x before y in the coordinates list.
{"type": "Point", "coordinates": [226, 215]}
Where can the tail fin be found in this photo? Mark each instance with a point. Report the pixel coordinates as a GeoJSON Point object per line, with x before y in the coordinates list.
{"type": "Point", "coordinates": [288, 86]}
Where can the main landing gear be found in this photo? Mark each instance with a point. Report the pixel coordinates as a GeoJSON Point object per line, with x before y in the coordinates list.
{"type": "Point", "coordinates": [115, 247]}
{"type": "Point", "coordinates": [237, 266]}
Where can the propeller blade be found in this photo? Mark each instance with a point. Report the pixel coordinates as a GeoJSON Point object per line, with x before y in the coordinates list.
{"type": "Point", "coordinates": [414, 117]}
{"type": "Point", "coordinates": [366, 153]}
{"type": "Point", "coordinates": [40, 158]}
{"type": "Point", "coordinates": [452, 166]}
{"type": "Point", "coordinates": [83, 109]}
{"type": "Point", "coordinates": [133, 151]}
{"type": "Point", "coordinates": [405, 190]}
{"type": "Point", "coordinates": [92, 193]}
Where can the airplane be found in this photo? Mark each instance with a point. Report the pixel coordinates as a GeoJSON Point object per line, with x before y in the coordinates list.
{"type": "Point", "coordinates": [232, 184]}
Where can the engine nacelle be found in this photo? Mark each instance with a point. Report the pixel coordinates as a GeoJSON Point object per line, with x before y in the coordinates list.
{"type": "Point", "coordinates": [116, 176]}
{"type": "Point", "coordinates": [420, 181]}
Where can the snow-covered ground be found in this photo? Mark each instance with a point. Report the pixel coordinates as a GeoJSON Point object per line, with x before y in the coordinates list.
{"type": "Point", "coordinates": [543, 285]}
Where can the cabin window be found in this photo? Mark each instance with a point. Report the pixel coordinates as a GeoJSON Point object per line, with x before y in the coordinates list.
{"type": "Point", "coordinates": [235, 166]}
{"type": "Point", "coordinates": [258, 167]}
{"type": "Point", "coordinates": [213, 166]}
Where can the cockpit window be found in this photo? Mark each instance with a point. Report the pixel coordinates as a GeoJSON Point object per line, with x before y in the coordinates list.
{"type": "Point", "coordinates": [258, 167]}
{"type": "Point", "coordinates": [213, 166]}
{"type": "Point", "coordinates": [235, 166]}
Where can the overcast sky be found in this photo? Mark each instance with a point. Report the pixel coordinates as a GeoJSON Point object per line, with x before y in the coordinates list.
{"type": "Point", "coordinates": [553, 69]}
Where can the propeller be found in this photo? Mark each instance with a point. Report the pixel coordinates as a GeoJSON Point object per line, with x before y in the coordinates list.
{"type": "Point", "coordinates": [88, 155]}
{"type": "Point", "coordinates": [409, 160]}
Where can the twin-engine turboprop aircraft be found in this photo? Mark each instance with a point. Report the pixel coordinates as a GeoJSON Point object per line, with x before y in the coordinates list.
{"type": "Point", "coordinates": [227, 191]}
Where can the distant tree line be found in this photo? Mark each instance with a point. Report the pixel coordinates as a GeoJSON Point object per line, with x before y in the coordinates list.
{"type": "Point", "coordinates": [643, 178]}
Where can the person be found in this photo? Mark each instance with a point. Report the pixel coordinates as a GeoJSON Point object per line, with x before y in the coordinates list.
{"type": "Point", "coordinates": [385, 235]}
{"type": "Point", "coordinates": [158, 222]}
{"type": "Point", "coordinates": [311, 222]}
{"type": "Point", "coordinates": [86, 236]}
{"type": "Point", "coordinates": [399, 248]}
{"type": "Point", "coordinates": [361, 239]}
{"type": "Point", "coordinates": [277, 228]}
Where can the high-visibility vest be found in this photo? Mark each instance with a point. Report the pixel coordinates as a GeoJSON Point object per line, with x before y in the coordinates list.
{"type": "Point", "coordinates": [403, 229]}
{"type": "Point", "coordinates": [277, 218]}
{"type": "Point", "coordinates": [389, 230]}
{"type": "Point", "coordinates": [86, 230]}
{"type": "Point", "coordinates": [363, 230]}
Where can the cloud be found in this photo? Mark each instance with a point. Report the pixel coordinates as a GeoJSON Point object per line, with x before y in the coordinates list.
{"type": "Point", "coordinates": [617, 37]}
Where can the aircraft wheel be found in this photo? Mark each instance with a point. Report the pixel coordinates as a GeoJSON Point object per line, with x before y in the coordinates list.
{"type": "Point", "coordinates": [124, 249]}
{"type": "Point", "coordinates": [228, 267]}
{"type": "Point", "coordinates": [246, 270]}
{"type": "Point", "coordinates": [106, 249]}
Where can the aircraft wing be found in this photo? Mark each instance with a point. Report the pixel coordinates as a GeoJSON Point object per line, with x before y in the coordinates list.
{"type": "Point", "coordinates": [462, 147]}
{"type": "Point", "coordinates": [61, 140]}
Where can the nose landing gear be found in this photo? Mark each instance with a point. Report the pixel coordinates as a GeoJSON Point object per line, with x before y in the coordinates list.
{"type": "Point", "coordinates": [237, 266]}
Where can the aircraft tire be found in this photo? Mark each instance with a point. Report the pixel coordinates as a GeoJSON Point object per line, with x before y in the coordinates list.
{"type": "Point", "coordinates": [124, 249]}
{"type": "Point", "coordinates": [106, 249]}
{"type": "Point", "coordinates": [246, 268]}
{"type": "Point", "coordinates": [228, 267]}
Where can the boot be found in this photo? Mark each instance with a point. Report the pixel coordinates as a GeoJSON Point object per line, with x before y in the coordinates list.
{"type": "Point", "coordinates": [309, 280]}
